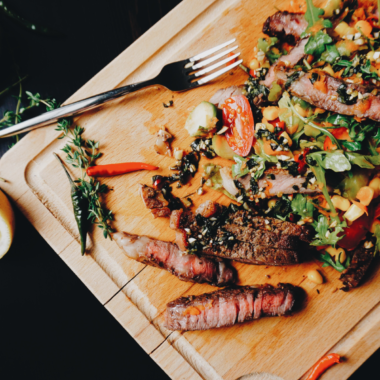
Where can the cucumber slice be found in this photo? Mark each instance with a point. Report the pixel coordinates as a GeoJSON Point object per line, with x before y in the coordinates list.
{"type": "Point", "coordinates": [221, 147]}
{"type": "Point", "coordinates": [202, 119]}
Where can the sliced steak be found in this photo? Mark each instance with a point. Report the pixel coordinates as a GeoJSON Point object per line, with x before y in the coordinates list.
{"type": "Point", "coordinates": [263, 237]}
{"type": "Point", "coordinates": [227, 307]}
{"type": "Point", "coordinates": [360, 263]}
{"type": "Point", "coordinates": [368, 107]}
{"type": "Point", "coordinates": [253, 254]}
{"type": "Point", "coordinates": [168, 256]}
{"type": "Point", "coordinates": [155, 201]}
{"type": "Point", "coordinates": [247, 218]}
{"type": "Point", "coordinates": [225, 93]}
{"type": "Point", "coordinates": [284, 183]}
{"type": "Point", "coordinates": [275, 72]}
{"type": "Point", "coordinates": [284, 25]}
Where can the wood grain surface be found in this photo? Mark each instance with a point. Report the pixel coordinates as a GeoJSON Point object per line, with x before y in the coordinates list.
{"type": "Point", "coordinates": [136, 294]}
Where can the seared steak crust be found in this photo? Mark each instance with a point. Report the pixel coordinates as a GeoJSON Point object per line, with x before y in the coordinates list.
{"type": "Point", "coordinates": [368, 107]}
{"type": "Point", "coordinates": [254, 254]}
{"type": "Point", "coordinates": [285, 25]}
{"type": "Point", "coordinates": [245, 218]}
{"type": "Point", "coordinates": [227, 307]}
{"type": "Point", "coordinates": [167, 256]}
{"type": "Point", "coordinates": [155, 201]}
{"type": "Point", "coordinates": [360, 263]}
{"type": "Point", "coordinates": [263, 237]}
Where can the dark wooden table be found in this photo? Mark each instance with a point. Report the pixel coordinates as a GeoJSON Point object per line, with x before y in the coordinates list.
{"type": "Point", "coordinates": [52, 327]}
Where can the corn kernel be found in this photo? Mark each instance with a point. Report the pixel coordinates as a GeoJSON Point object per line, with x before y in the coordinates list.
{"type": "Point", "coordinates": [254, 64]}
{"type": "Point", "coordinates": [375, 185]}
{"type": "Point", "coordinates": [335, 252]}
{"type": "Point", "coordinates": [340, 202]}
{"type": "Point", "coordinates": [271, 113]}
{"type": "Point", "coordinates": [342, 29]}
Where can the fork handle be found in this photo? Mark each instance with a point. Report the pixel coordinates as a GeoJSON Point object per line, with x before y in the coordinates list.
{"type": "Point", "coordinates": [74, 108]}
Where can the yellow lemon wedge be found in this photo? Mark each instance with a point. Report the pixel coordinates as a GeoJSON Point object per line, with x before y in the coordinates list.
{"type": "Point", "coordinates": [7, 224]}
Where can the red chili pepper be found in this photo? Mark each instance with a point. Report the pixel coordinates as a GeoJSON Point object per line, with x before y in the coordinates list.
{"type": "Point", "coordinates": [116, 169]}
{"type": "Point", "coordinates": [252, 73]}
{"type": "Point", "coordinates": [322, 365]}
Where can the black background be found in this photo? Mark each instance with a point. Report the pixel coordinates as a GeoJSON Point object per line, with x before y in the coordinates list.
{"type": "Point", "coordinates": [51, 326]}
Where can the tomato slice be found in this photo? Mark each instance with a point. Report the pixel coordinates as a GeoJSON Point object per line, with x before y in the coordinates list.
{"type": "Point", "coordinates": [355, 233]}
{"type": "Point", "coordinates": [237, 116]}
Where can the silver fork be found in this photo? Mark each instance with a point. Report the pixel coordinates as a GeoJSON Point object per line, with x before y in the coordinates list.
{"type": "Point", "coordinates": [176, 76]}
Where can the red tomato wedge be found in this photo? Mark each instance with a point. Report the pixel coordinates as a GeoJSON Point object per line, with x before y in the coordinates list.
{"type": "Point", "coordinates": [237, 116]}
{"type": "Point", "coordinates": [355, 233]}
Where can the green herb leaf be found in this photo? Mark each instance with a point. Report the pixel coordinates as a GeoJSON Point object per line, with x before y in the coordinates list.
{"type": "Point", "coordinates": [324, 234]}
{"type": "Point", "coordinates": [317, 43]}
{"type": "Point", "coordinates": [329, 262]}
{"type": "Point", "coordinates": [302, 207]}
{"type": "Point", "coordinates": [313, 13]}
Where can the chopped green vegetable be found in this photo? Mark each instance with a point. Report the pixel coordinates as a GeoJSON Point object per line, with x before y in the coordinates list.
{"type": "Point", "coordinates": [324, 234]}
{"type": "Point", "coordinates": [302, 207]}
{"type": "Point", "coordinates": [329, 262]}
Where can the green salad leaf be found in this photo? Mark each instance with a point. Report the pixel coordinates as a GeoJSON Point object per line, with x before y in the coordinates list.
{"type": "Point", "coordinates": [336, 160]}
{"type": "Point", "coordinates": [365, 162]}
{"type": "Point", "coordinates": [328, 261]}
{"type": "Point", "coordinates": [302, 206]}
{"type": "Point", "coordinates": [249, 162]}
{"type": "Point", "coordinates": [326, 235]}
{"type": "Point", "coordinates": [313, 14]}
{"type": "Point", "coordinates": [317, 43]}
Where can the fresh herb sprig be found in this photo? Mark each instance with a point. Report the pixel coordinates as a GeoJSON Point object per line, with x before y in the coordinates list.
{"type": "Point", "coordinates": [81, 153]}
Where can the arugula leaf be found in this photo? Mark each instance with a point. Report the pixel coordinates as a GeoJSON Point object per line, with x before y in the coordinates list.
{"type": "Point", "coordinates": [336, 160]}
{"type": "Point", "coordinates": [265, 46]}
{"type": "Point", "coordinates": [302, 207]}
{"type": "Point", "coordinates": [312, 15]}
{"type": "Point", "coordinates": [330, 54]}
{"type": "Point", "coordinates": [250, 162]}
{"type": "Point", "coordinates": [352, 145]}
{"type": "Point", "coordinates": [365, 162]}
{"type": "Point", "coordinates": [317, 43]}
{"type": "Point", "coordinates": [329, 262]}
{"type": "Point", "coordinates": [324, 236]}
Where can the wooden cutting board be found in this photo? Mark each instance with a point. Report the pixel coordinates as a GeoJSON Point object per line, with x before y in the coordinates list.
{"type": "Point", "coordinates": [136, 295]}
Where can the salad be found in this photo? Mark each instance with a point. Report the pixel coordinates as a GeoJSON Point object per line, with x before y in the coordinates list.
{"type": "Point", "coordinates": [302, 133]}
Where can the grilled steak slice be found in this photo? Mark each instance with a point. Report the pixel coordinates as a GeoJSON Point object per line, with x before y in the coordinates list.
{"type": "Point", "coordinates": [284, 183]}
{"type": "Point", "coordinates": [247, 218]}
{"type": "Point", "coordinates": [223, 94]}
{"type": "Point", "coordinates": [360, 263]}
{"type": "Point", "coordinates": [253, 254]}
{"type": "Point", "coordinates": [167, 256]}
{"type": "Point", "coordinates": [227, 307]}
{"type": "Point", "coordinates": [275, 72]}
{"type": "Point", "coordinates": [284, 25]}
{"type": "Point", "coordinates": [368, 107]}
{"type": "Point", "coordinates": [262, 237]}
{"type": "Point", "coordinates": [154, 200]}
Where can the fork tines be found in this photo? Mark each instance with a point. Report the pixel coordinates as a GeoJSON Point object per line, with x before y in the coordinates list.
{"type": "Point", "coordinates": [196, 62]}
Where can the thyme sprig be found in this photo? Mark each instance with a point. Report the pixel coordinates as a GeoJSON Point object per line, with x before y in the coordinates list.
{"type": "Point", "coordinates": [81, 153]}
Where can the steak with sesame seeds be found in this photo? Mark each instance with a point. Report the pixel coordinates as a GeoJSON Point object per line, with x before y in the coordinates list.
{"type": "Point", "coordinates": [248, 218]}
{"type": "Point", "coordinates": [241, 236]}
{"type": "Point", "coordinates": [227, 307]}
